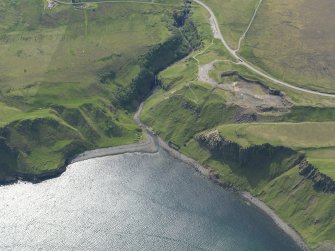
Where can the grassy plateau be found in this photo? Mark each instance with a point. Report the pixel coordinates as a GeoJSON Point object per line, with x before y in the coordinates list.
{"type": "Point", "coordinates": [71, 78]}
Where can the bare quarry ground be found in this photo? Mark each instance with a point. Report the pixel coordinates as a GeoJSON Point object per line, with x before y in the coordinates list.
{"type": "Point", "coordinates": [246, 93]}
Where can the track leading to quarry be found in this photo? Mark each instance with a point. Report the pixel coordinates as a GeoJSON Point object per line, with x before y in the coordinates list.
{"type": "Point", "coordinates": [218, 34]}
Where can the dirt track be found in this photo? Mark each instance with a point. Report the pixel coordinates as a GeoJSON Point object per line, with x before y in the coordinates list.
{"type": "Point", "coordinates": [217, 34]}
{"type": "Point", "coordinates": [245, 93]}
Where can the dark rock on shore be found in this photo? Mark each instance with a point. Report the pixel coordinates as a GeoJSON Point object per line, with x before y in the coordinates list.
{"type": "Point", "coordinates": [261, 157]}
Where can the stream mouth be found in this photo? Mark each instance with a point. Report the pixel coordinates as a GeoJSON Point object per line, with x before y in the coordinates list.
{"type": "Point", "coordinates": [133, 201]}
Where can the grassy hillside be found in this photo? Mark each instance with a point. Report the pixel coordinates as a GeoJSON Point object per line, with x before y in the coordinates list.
{"type": "Point", "coordinates": [233, 16]}
{"type": "Point", "coordinates": [272, 177]}
{"type": "Point", "coordinates": [294, 40]}
{"type": "Point", "coordinates": [70, 78]}
{"type": "Point", "coordinates": [267, 159]}
{"type": "Point", "coordinates": [287, 39]}
{"type": "Point", "coordinates": [68, 45]}
{"type": "Point", "coordinates": [298, 203]}
{"type": "Point", "coordinates": [281, 187]}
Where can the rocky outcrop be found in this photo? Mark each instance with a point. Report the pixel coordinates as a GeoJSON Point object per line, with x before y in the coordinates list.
{"type": "Point", "coordinates": [257, 156]}
{"type": "Point", "coordinates": [321, 182]}
{"type": "Point", "coordinates": [269, 90]}
{"type": "Point", "coordinates": [263, 156]}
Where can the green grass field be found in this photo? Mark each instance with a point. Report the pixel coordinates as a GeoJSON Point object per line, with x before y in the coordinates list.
{"type": "Point", "coordinates": [293, 40]}
{"type": "Point", "coordinates": [68, 45]}
{"type": "Point", "coordinates": [310, 212]}
{"type": "Point", "coordinates": [64, 67]}
{"type": "Point", "coordinates": [71, 78]}
{"type": "Point", "coordinates": [295, 135]}
{"type": "Point", "coordinates": [287, 39]}
{"type": "Point", "coordinates": [233, 16]}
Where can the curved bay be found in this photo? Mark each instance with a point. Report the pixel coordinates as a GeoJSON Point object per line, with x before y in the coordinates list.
{"type": "Point", "coordinates": [132, 202]}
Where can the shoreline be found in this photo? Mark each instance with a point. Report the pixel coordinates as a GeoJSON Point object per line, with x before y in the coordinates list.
{"type": "Point", "coordinates": [285, 227]}
{"type": "Point", "coordinates": [152, 145]}
{"type": "Point", "coordinates": [147, 146]}
{"type": "Point", "coordinates": [276, 219]}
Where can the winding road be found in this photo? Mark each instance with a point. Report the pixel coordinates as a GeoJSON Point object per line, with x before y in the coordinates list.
{"type": "Point", "coordinates": [218, 34]}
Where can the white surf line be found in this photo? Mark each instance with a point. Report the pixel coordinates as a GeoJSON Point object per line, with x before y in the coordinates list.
{"type": "Point", "coordinates": [217, 34]}
{"type": "Point", "coordinates": [248, 28]}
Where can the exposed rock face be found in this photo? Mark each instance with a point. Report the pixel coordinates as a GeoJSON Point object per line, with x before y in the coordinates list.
{"type": "Point", "coordinates": [261, 156]}
{"type": "Point", "coordinates": [254, 94]}
{"type": "Point", "coordinates": [220, 147]}
{"type": "Point", "coordinates": [252, 157]}
{"type": "Point", "coordinates": [321, 181]}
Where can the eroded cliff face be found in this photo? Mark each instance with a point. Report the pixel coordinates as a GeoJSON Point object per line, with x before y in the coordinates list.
{"type": "Point", "coordinates": [250, 157]}
{"type": "Point", "coordinates": [262, 158]}
{"type": "Point", "coordinates": [321, 182]}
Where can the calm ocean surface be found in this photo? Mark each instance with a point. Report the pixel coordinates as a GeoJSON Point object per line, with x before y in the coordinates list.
{"type": "Point", "coordinates": [132, 202]}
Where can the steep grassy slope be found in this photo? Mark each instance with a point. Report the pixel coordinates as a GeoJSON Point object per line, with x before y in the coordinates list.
{"type": "Point", "coordinates": [71, 78]}
{"type": "Point", "coordinates": [269, 158]}
{"type": "Point", "coordinates": [280, 185]}
{"type": "Point", "coordinates": [68, 45]}
{"type": "Point", "coordinates": [268, 172]}
{"type": "Point", "coordinates": [309, 211]}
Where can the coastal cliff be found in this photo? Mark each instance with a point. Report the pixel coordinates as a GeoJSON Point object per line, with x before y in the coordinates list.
{"type": "Point", "coordinates": [320, 181]}
{"type": "Point", "coordinates": [279, 175]}
{"type": "Point", "coordinates": [262, 156]}
{"type": "Point", "coordinates": [39, 146]}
